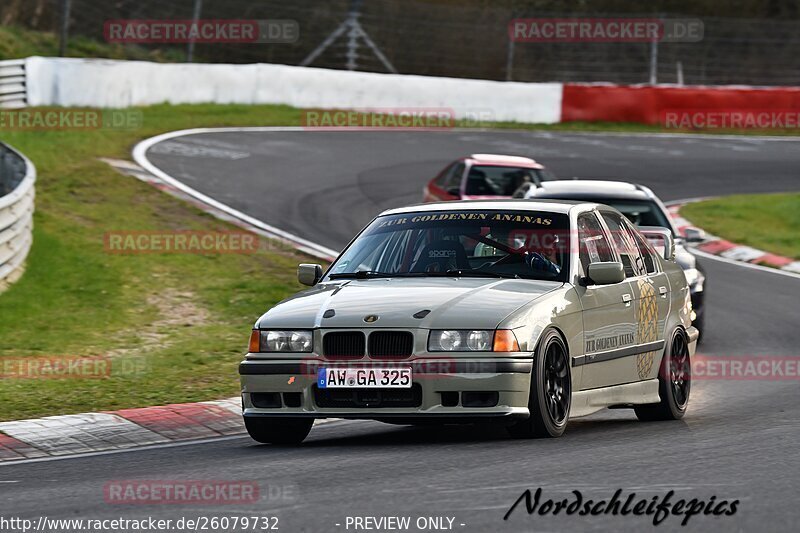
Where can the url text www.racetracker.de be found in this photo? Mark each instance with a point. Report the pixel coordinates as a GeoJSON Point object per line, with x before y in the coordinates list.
{"type": "Point", "coordinates": [657, 507]}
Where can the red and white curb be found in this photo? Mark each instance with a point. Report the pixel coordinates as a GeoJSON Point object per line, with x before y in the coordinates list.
{"type": "Point", "coordinates": [115, 430]}
{"type": "Point", "coordinates": [64, 435]}
{"type": "Point", "coordinates": [735, 252]}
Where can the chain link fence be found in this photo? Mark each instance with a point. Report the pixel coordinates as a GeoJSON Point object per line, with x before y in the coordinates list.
{"type": "Point", "coordinates": [467, 39]}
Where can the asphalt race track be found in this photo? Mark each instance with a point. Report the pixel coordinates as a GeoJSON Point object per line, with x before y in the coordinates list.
{"type": "Point", "coordinates": [740, 439]}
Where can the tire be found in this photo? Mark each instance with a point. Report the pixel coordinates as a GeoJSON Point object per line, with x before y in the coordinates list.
{"type": "Point", "coordinates": [674, 383]}
{"type": "Point", "coordinates": [551, 391]}
{"type": "Point", "coordinates": [287, 431]}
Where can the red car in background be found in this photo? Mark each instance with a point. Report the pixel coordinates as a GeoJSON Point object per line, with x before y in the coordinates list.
{"type": "Point", "coordinates": [485, 176]}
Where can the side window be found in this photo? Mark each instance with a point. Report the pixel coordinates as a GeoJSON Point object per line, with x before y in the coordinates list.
{"type": "Point", "coordinates": [441, 180]}
{"type": "Point", "coordinates": [594, 245]}
{"type": "Point", "coordinates": [453, 180]}
{"type": "Point", "coordinates": [623, 242]}
{"type": "Point", "coordinates": [645, 250]}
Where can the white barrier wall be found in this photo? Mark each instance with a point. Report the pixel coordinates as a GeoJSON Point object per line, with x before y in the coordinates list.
{"type": "Point", "coordinates": [116, 84]}
{"type": "Point", "coordinates": [17, 177]}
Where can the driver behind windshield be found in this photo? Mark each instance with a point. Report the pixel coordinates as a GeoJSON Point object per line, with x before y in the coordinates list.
{"type": "Point", "coordinates": [531, 245]}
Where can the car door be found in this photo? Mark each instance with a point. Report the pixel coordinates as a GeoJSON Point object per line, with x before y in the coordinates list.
{"type": "Point", "coordinates": [608, 311]}
{"type": "Point", "coordinates": [653, 302]}
{"type": "Point", "coordinates": [644, 345]}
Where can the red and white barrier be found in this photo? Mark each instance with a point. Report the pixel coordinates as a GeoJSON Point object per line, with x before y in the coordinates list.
{"type": "Point", "coordinates": [698, 107]}
{"type": "Point", "coordinates": [120, 84]}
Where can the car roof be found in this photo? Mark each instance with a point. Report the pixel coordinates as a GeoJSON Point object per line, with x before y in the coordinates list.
{"type": "Point", "coordinates": [553, 206]}
{"type": "Point", "coordinates": [503, 160]}
{"type": "Point", "coordinates": [590, 190]}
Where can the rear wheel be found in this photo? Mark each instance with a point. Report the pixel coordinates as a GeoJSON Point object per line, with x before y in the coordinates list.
{"type": "Point", "coordinates": [674, 383]}
{"type": "Point", "coordinates": [551, 391]}
{"type": "Point", "coordinates": [278, 430]}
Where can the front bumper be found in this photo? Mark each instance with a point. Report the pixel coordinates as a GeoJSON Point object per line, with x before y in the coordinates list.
{"type": "Point", "coordinates": [442, 384]}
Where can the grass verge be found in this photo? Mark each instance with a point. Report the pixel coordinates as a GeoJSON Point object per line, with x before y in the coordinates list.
{"type": "Point", "coordinates": [17, 42]}
{"type": "Point", "coordinates": [173, 326]}
{"type": "Point", "coordinates": [769, 222]}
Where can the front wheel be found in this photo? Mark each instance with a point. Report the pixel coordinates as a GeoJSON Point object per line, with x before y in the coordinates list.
{"type": "Point", "coordinates": [278, 430]}
{"type": "Point", "coordinates": [551, 391]}
{"type": "Point", "coordinates": [673, 383]}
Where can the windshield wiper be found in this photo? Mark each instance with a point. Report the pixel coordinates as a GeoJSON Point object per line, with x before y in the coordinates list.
{"type": "Point", "coordinates": [371, 274]}
{"type": "Point", "coordinates": [479, 274]}
{"type": "Point", "coordinates": [361, 274]}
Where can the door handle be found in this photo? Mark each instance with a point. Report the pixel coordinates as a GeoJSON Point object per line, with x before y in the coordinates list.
{"type": "Point", "coordinates": [627, 299]}
{"type": "Point", "coordinates": [663, 291]}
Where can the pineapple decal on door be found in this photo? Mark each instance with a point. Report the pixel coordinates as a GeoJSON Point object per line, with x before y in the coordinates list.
{"type": "Point", "coordinates": [647, 326]}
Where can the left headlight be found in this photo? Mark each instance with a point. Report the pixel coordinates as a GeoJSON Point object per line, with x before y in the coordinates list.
{"type": "Point", "coordinates": [284, 341]}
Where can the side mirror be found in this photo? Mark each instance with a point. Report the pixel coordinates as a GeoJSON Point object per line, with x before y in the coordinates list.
{"type": "Point", "coordinates": [661, 235]}
{"type": "Point", "coordinates": [309, 274]}
{"type": "Point", "coordinates": [606, 273]}
{"type": "Point", "coordinates": [694, 234]}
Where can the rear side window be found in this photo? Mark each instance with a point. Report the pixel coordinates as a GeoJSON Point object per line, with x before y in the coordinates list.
{"type": "Point", "coordinates": [623, 242]}
{"type": "Point", "coordinates": [594, 245]}
{"type": "Point", "coordinates": [453, 180]}
{"type": "Point", "coordinates": [445, 174]}
{"type": "Point", "coordinates": [490, 180]}
{"type": "Point", "coordinates": [645, 250]}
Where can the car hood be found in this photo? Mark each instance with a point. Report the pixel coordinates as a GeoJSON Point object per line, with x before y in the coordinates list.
{"type": "Point", "coordinates": [452, 303]}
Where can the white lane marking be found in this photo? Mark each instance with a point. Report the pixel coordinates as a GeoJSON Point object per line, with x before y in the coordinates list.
{"type": "Point", "coordinates": [745, 265]}
{"type": "Point", "coordinates": [140, 156]}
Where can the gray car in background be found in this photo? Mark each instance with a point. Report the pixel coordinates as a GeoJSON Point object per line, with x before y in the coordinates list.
{"type": "Point", "coordinates": [642, 207]}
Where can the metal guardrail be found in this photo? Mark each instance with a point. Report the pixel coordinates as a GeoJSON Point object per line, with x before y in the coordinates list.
{"type": "Point", "coordinates": [17, 177]}
{"type": "Point", "coordinates": [13, 89]}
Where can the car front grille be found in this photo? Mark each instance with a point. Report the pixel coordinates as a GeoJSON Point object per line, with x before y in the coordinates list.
{"type": "Point", "coordinates": [368, 398]}
{"type": "Point", "coordinates": [344, 345]}
{"type": "Point", "coordinates": [391, 344]}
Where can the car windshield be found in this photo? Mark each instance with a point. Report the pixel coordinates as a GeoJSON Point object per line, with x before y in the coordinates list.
{"type": "Point", "coordinates": [641, 213]}
{"type": "Point", "coordinates": [492, 244]}
{"type": "Point", "coordinates": [488, 180]}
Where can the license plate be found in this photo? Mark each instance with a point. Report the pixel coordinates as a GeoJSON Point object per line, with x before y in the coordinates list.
{"type": "Point", "coordinates": [356, 378]}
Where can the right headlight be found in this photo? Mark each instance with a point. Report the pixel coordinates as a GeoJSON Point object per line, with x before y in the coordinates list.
{"type": "Point", "coordinates": [281, 341]}
{"type": "Point", "coordinates": [472, 340]}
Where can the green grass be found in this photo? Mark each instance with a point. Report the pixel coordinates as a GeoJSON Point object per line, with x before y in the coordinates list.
{"type": "Point", "coordinates": [17, 42]}
{"type": "Point", "coordinates": [769, 222]}
{"type": "Point", "coordinates": [182, 320]}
